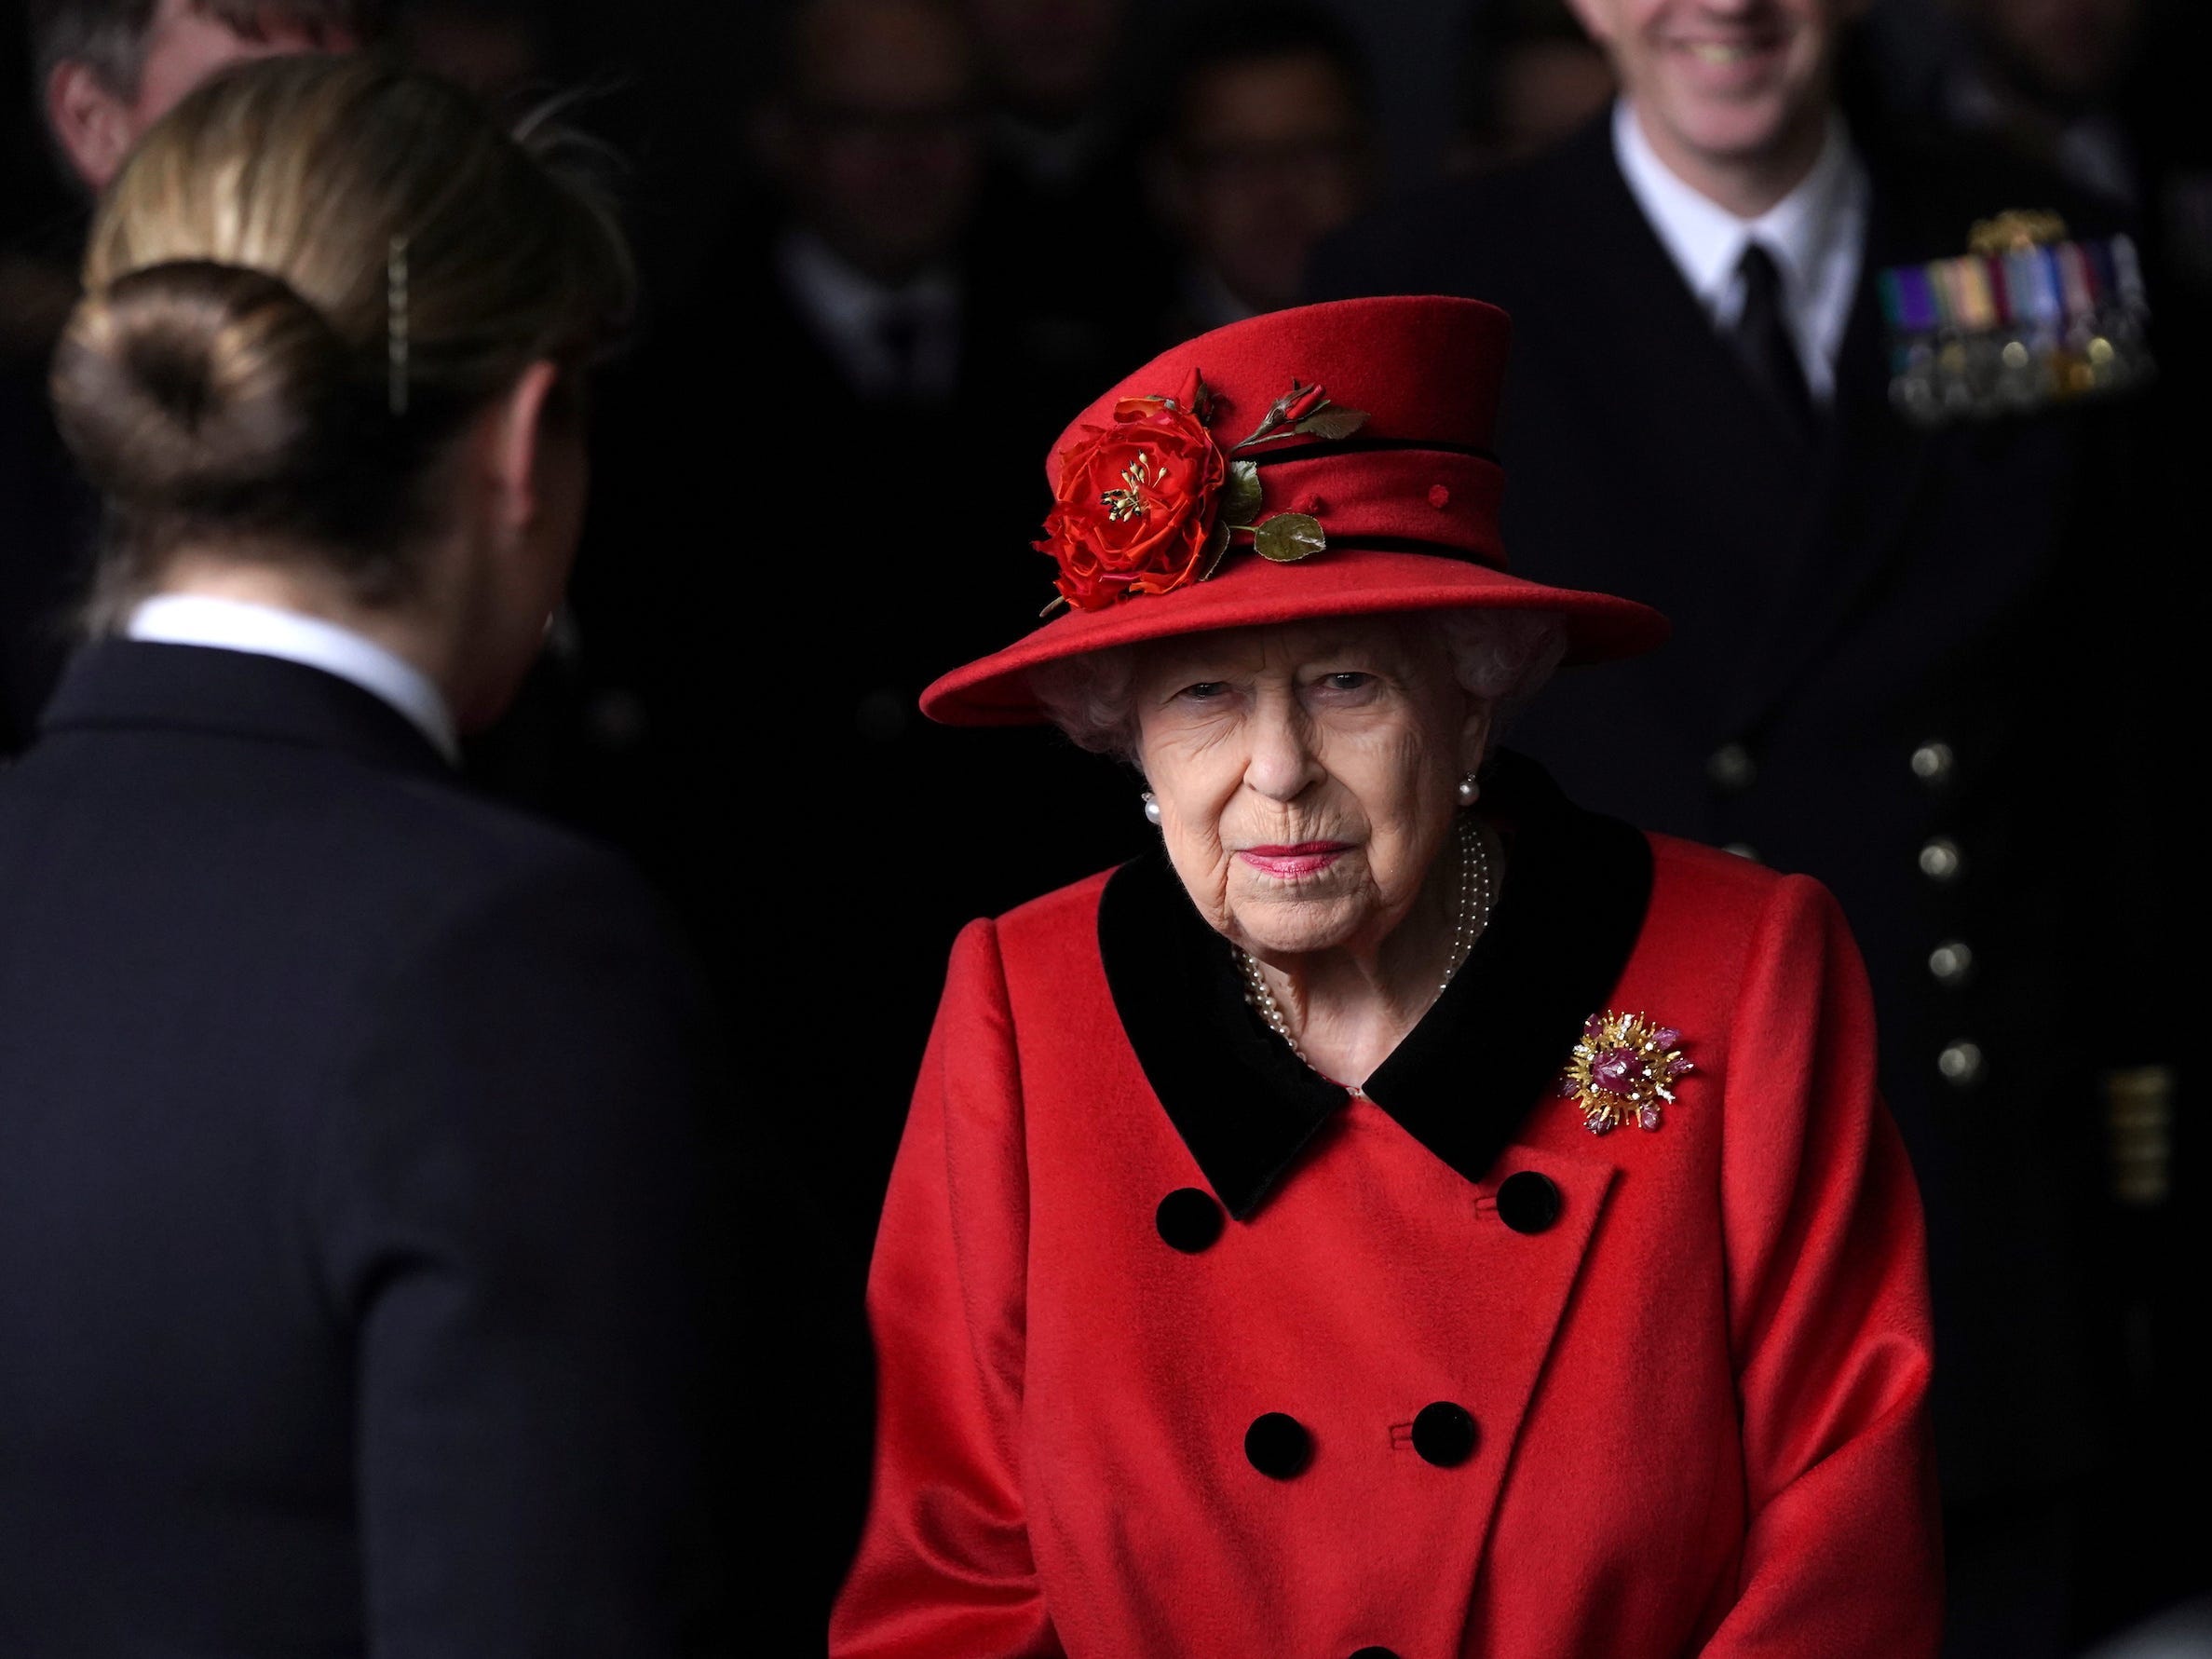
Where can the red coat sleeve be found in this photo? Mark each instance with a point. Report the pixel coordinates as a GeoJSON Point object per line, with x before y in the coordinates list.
{"type": "Point", "coordinates": [944, 1567]}
{"type": "Point", "coordinates": [1827, 1311]}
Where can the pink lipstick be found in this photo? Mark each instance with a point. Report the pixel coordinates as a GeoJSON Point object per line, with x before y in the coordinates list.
{"type": "Point", "coordinates": [1288, 864]}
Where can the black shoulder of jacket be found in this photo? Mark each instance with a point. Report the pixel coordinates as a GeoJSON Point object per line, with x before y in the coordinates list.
{"type": "Point", "coordinates": [1939, 181]}
{"type": "Point", "coordinates": [1469, 236]}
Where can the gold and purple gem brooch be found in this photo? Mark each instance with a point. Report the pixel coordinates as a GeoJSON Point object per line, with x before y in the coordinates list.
{"type": "Point", "coordinates": [1623, 1072]}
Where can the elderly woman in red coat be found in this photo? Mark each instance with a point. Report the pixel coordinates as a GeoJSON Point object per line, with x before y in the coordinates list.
{"type": "Point", "coordinates": [1408, 1215]}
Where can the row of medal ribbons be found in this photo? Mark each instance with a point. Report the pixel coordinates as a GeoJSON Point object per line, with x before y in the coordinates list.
{"type": "Point", "coordinates": [2001, 333]}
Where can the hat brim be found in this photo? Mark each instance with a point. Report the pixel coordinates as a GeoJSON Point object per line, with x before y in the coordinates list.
{"type": "Point", "coordinates": [1249, 592]}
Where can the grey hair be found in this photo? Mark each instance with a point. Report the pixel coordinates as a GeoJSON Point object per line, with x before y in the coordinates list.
{"type": "Point", "coordinates": [1503, 657]}
{"type": "Point", "coordinates": [111, 36]}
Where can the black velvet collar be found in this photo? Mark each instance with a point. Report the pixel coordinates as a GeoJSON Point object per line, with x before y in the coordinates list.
{"type": "Point", "coordinates": [1571, 906]}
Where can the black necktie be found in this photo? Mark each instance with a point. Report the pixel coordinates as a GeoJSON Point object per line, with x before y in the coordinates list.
{"type": "Point", "coordinates": [1763, 340]}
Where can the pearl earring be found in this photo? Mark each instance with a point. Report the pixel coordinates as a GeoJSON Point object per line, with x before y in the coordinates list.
{"type": "Point", "coordinates": [1151, 810]}
{"type": "Point", "coordinates": [1469, 792]}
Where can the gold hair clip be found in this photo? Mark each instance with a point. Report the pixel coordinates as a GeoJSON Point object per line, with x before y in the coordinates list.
{"type": "Point", "coordinates": [395, 325]}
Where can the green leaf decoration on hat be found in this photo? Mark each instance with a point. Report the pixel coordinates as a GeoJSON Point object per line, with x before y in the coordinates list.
{"type": "Point", "coordinates": [1239, 494]}
{"type": "Point", "coordinates": [1217, 541]}
{"type": "Point", "coordinates": [1332, 422]}
{"type": "Point", "coordinates": [1239, 501]}
{"type": "Point", "coordinates": [1288, 537]}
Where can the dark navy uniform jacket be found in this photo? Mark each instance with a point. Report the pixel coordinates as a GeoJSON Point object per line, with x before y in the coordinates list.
{"type": "Point", "coordinates": [1897, 655]}
{"type": "Point", "coordinates": [345, 1165]}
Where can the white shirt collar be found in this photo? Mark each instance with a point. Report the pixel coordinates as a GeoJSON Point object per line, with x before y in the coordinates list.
{"type": "Point", "coordinates": [1814, 233]}
{"type": "Point", "coordinates": [266, 631]}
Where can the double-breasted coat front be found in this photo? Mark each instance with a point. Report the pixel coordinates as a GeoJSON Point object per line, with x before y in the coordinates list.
{"type": "Point", "coordinates": [1185, 1352]}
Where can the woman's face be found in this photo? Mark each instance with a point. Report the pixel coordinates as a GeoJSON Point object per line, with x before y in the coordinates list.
{"type": "Point", "coordinates": [1305, 774]}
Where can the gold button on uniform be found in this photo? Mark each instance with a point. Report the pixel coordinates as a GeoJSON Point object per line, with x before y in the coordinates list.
{"type": "Point", "coordinates": [1939, 859]}
{"type": "Point", "coordinates": [1951, 961]}
{"type": "Point", "coordinates": [1931, 762]}
{"type": "Point", "coordinates": [1960, 1062]}
{"type": "Point", "coordinates": [1731, 768]}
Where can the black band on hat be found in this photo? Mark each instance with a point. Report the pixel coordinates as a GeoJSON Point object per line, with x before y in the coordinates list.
{"type": "Point", "coordinates": [1329, 448]}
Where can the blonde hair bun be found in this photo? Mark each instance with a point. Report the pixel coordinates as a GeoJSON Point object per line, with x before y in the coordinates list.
{"type": "Point", "coordinates": [232, 379]}
{"type": "Point", "coordinates": [197, 387]}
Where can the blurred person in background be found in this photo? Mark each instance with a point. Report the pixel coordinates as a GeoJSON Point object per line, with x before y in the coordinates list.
{"type": "Point", "coordinates": [2044, 73]}
{"type": "Point", "coordinates": [352, 1124]}
{"type": "Point", "coordinates": [881, 415]}
{"type": "Point", "coordinates": [1697, 282]}
{"type": "Point", "coordinates": [1067, 146]}
{"type": "Point", "coordinates": [1059, 130]}
{"type": "Point", "coordinates": [879, 366]}
{"type": "Point", "coordinates": [103, 71]}
{"type": "Point", "coordinates": [1050, 63]}
{"type": "Point", "coordinates": [874, 146]}
{"type": "Point", "coordinates": [109, 69]}
{"type": "Point", "coordinates": [1530, 75]}
{"type": "Point", "coordinates": [819, 440]}
{"type": "Point", "coordinates": [2107, 93]}
{"type": "Point", "coordinates": [1269, 146]}
{"type": "Point", "coordinates": [842, 306]}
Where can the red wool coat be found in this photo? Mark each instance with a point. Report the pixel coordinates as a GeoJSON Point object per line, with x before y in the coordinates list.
{"type": "Point", "coordinates": [1435, 1373]}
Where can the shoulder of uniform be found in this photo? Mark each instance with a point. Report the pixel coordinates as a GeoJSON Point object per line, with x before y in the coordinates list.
{"type": "Point", "coordinates": [1950, 179]}
{"type": "Point", "coordinates": [466, 840]}
{"type": "Point", "coordinates": [1457, 236]}
{"type": "Point", "coordinates": [476, 872]}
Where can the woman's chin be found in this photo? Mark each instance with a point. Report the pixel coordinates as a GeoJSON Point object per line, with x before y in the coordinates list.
{"type": "Point", "coordinates": [1272, 931]}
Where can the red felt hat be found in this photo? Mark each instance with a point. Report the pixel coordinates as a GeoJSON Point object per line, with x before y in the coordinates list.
{"type": "Point", "coordinates": [1333, 461]}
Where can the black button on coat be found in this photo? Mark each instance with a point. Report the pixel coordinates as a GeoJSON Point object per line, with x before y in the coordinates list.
{"type": "Point", "coordinates": [1529, 1202]}
{"type": "Point", "coordinates": [1278, 1445]}
{"type": "Point", "coordinates": [1188, 1219]}
{"type": "Point", "coordinates": [1443, 1434]}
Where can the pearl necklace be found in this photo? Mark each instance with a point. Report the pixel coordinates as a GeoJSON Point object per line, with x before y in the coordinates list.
{"type": "Point", "coordinates": [1470, 917]}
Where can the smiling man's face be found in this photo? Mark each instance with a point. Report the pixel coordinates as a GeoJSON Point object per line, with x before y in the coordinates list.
{"type": "Point", "coordinates": [1722, 83]}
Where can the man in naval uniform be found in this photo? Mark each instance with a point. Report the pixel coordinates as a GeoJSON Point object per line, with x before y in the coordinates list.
{"type": "Point", "coordinates": [1700, 414]}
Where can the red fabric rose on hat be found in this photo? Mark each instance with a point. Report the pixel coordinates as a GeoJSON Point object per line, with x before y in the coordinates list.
{"type": "Point", "coordinates": [1136, 504]}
